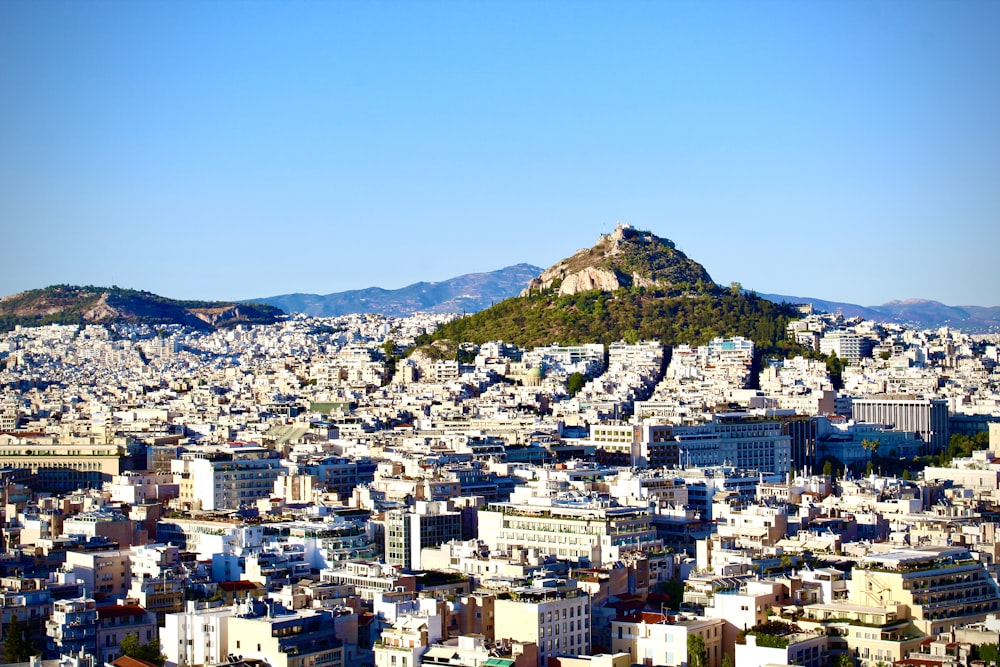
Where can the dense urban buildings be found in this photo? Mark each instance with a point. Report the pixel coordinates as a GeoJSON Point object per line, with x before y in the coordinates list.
{"type": "Point", "coordinates": [296, 494]}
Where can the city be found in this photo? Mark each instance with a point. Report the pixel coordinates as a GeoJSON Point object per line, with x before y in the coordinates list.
{"type": "Point", "coordinates": [303, 494]}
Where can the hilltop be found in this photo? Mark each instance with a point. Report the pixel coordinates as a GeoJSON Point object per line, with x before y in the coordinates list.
{"type": "Point", "coordinates": [71, 304]}
{"type": "Point", "coordinates": [463, 294]}
{"type": "Point", "coordinates": [630, 285]}
{"type": "Point", "coordinates": [625, 258]}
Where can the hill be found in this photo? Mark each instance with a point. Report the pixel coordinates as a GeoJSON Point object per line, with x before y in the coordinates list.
{"type": "Point", "coordinates": [70, 304]}
{"type": "Point", "coordinates": [920, 313]}
{"type": "Point", "coordinates": [657, 294]}
{"type": "Point", "coordinates": [625, 258]}
{"type": "Point", "coordinates": [463, 294]}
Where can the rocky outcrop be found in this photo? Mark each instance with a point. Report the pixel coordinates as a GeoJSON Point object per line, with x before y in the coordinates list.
{"type": "Point", "coordinates": [624, 258]}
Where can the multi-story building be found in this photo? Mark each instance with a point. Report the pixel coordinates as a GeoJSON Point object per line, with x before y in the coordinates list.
{"type": "Point", "coordinates": [927, 417]}
{"type": "Point", "coordinates": [113, 526]}
{"type": "Point", "coordinates": [369, 579]}
{"type": "Point", "coordinates": [570, 527]}
{"type": "Point", "coordinates": [871, 635]}
{"type": "Point", "coordinates": [735, 439]}
{"type": "Point", "coordinates": [846, 345]}
{"type": "Point", "coordinates": [226, 478]}
{"type": "Point", "coordinates": [63, 467]}
{"type": "Point", "coordinates": [207, 538]}
{"type": "Point", "coordinates": [196, 636]}
{"type": "Point", "coordinates": [405, 642]}
{"type": "Point", "coordinates": [552, 614]}
{"type": "Point", "coordinates": [429, 524]}
{"type": "Point", "coordinates": [107, 574]}
{"type": "Point", "coordinates": [27, 599]}
{"type": "Point", "coordinates": [72, 628]}
{"type": "Point", "coordinates": [806, 649]}
{"type": "Point", "coordinates": [652, 638]}
{"type": "Point", "coordinates": [474, 651]}
{"type": "Point", "coordinates": [115, 622]}
{"type": "Point", "coordinates": [160, 596]}
{"type": "Point", "coordinates": [943, 587]}
{"type": "Point", "coordinates": [283, 638]}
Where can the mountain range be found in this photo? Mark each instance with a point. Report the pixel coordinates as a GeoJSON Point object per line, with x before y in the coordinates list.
{"type": "Point", "coordinates": [919, 313]}
{"type": "Point", "coordinates": [626, 260]}
{"type": "Point", "coordinates": [467, 293]}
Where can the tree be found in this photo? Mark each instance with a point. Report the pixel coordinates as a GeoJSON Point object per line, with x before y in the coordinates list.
{"type": "Point", "coordinates": [843, 660]}
{"type": "Point", "coordinates": [697, 652]}
{"type": "Point", "coordinates": [906, 474]}
{"type": "Point", "coordinates": [727, 660]}
{"type": "Point", "coordinates": [828, 468]}
{"type": "Point", "coordinates": [149, 651]}
{"type": "Point", "coordinates": [16, 646]}
{"type": "Point", "coordinates": [988, 653]}
{"type": "Point", "coordinates": [575, 383]}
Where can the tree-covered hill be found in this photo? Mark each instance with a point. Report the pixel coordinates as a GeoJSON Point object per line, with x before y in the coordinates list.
{"type": "Point", "coordinates": [632, 314]}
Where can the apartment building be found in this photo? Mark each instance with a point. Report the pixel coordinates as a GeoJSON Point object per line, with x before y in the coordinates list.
{"type": "Point", "coordinates": [283, 638]}
{"type": "Point", "coordinates": [651, 638]}
{"type": "Point", "coordinates": [430, 524]}
{"type": "Point", "coordinates": [944, 587]}
{"type": "Point", "coordinates": [553, 614]}
{"type": "Point", "coordinates": [196, 636]}
{"type": "Point", "coordinates": [227, 477]}
{"type": "Point", "coordinates": [570, 527]}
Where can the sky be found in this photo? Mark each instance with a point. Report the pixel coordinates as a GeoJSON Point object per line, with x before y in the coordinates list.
{"type": "Point", "coordinates": [844, 150]}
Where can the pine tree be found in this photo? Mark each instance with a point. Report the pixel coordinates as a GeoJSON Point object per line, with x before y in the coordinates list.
{"type": "Point", "coordinates": [16, 646]}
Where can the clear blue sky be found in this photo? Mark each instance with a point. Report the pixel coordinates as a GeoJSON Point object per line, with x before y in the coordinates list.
{"type": "Point", "coordinates": [229, 150]}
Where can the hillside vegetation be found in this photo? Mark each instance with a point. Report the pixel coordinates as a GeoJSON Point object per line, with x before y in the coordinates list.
{"type": "Point", "coordinates": [632, 314]}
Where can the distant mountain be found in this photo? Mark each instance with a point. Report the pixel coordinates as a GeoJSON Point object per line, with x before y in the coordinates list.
{"type": "Point", "coordinates": [631, 285]}
{"type": "Point", "coordinates": [920, 313]}
{"type": "Point", "coordinates": [464, 294]}
{"type": "Point", "coordinates": [70, 304]}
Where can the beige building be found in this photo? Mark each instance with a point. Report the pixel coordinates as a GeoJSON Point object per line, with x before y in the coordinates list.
{"type": "Point", "coordinates": [64, 467]}
{"type": "Point", "coordinates": [107, 574]}
{"type": "Point", "coordinates": [943, 587]}
{"type": "Point", "coordinates": [651, 638]}
{"type": "Point", "coordinates": [552, 614]}
{"type": "Point", "coordinates": [871, 635]}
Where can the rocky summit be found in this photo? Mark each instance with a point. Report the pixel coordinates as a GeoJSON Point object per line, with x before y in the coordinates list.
{"type": "Point", "coordinates": [625, 258]}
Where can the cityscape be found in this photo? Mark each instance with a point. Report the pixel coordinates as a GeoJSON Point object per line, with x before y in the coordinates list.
{"type": "Point", "coordinates": [266, 399]}
{"type": "Point", "coordinates": [352, 490]}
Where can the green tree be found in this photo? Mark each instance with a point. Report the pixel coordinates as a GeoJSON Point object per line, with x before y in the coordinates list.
{"type": "Point", "coordinates": [149, 651]}
{"type": "Point", "coordinates": [16, 645]}
{"type": "Point", "coordinates": [835, 366]}
{"type": "Point", "coordinates": [843, 660]}
{"type": "Point", "coordinates": [697, 652]}
{"type": "Point", "coordinates": [906, 474]}
{"type": "Point", "coordinates": [575, 383]}
{"type": "Point", "coordinates": [988, 653]}
{"type": "Point", "coordinates": [828, 468]}
{"type": "Point", "coordinates": [727, 660]}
